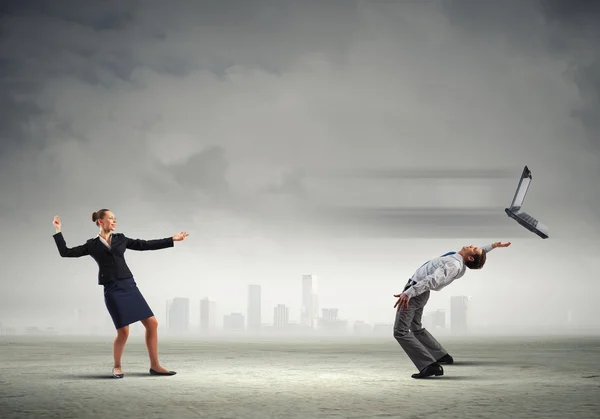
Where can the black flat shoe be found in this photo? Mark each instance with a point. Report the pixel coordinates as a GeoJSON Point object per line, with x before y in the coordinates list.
{"type": "Point", "coordinates": [446, 359]}
{"type": "Point", "coordinates": [117, 375]}
{"type": "Point", "coordinates": [433, 369]}
{"type": "Point", "coordinates": [153, 372]}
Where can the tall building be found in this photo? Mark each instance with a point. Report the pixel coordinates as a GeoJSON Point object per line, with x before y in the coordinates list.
{"type": "Point", "coordinates": [281, 317]}
{"type": "Point", "coordinates": [310, 301]}
{"type": "Point", "coordinates": [178, 315]}
{"type": "Point", "coordinates": [233, 322]}
{"type": "Point", "coordinates": [208, 315]}
{"type": "Point", "coordinates": [459, 314]}
{"type": "Point", "coordinates": [254, 308]}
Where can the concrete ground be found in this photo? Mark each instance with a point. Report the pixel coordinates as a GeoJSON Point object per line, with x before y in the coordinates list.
{"type": "Point", "coordinates": [59, 377]}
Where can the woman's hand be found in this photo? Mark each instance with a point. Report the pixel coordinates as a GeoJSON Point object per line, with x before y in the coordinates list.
{"type": "Point", "coordinates": [180, 236]}
{"type": "Point", "coordinates": [56, 223]}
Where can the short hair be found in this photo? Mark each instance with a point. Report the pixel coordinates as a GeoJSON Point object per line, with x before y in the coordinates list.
{"type": "Point", "coordinates": [478, 261]}
{"type": "Point", "coordinates": [98, 215]}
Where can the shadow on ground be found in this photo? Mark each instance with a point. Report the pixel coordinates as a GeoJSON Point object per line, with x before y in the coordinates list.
{"type": "Point", "coordinates": [481, 363]}
{"type": "Point", "coordinates": [458, 377]}
{"type": "Point", "coordinates": [104, 376]}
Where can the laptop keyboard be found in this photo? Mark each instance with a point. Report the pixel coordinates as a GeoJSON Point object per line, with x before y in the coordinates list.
{"type": "Point", "coordinates": [528, 218]}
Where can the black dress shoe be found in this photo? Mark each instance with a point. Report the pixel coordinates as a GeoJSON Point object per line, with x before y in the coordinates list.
{"type": "Point", "coordinates": [433, 369]}
{"type": "Point", "coordinates": [117, 375]}
{"type": "Point", "coordinates": [154, 372]}
{"type": "Point", "coordinates": [446, 359]}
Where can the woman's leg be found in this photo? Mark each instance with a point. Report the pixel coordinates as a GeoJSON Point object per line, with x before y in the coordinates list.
{"type": "Point", "coordinates": [119, 346]}
{"type": "Point", "coordinates": [151, 325]}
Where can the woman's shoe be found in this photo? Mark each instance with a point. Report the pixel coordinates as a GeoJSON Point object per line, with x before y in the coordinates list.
{"type": "Point", "coordinates": [117, 375]}
{"type": "Point", "coordinates": [154, 372]}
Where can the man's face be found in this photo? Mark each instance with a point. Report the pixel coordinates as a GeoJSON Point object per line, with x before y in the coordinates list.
{"type": "Point", "coordinates": [470, 251]}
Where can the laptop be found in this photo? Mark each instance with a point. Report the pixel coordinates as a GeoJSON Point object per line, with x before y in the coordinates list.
{"type": "Point", "coordinates": [522, 217]}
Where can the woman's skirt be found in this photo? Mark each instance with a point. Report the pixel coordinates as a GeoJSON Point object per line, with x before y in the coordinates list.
{"type": "Point", "coordinates": [125, 302]}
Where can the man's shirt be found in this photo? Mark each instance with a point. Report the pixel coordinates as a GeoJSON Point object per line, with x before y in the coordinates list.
{"type": "Point", "coordinates": [438, 273]}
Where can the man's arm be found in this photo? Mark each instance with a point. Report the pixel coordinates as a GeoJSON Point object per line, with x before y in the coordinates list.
{"type": "Point", "coordinates": [488, 248]}
{"type": "Point", "coordinates": [141, 245]}
{"type": "Point", "coordinates": [440, 276]}
{"type": "Point", "coordinates": [74, 252]}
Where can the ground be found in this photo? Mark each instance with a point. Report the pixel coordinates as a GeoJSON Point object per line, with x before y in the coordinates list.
{"type": "Point", "coordinates": [59, 377]}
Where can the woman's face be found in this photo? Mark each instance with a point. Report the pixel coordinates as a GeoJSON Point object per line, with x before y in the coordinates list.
{"type": "Point", "coordinates": [108, 222]}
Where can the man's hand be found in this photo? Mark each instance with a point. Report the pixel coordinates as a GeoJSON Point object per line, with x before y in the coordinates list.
{"type": "Point", "coordinates": [500, 244]}
{"type": "Point", "coordinates": [402, 302]}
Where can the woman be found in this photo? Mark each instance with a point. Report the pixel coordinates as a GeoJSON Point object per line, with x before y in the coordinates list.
{"type": "Point", "coordinates": [123, 299]}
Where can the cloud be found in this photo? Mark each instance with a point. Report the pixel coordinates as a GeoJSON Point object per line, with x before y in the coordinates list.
{"type": "Point", "coordinates": [563, 31]}
{"type": "Point", "coordinates": [181, 115]}
{"type": "Point", "coordinates": [148, 104]}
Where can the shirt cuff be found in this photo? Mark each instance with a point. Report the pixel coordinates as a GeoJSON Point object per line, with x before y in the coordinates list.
{"type": "Point", "coordinates": [487, 248]}
{"type": "Point", "coordinates": [410, 292]}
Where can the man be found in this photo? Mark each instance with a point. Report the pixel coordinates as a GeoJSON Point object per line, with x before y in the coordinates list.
{"type": "Point", "coordinates": [422, 348]}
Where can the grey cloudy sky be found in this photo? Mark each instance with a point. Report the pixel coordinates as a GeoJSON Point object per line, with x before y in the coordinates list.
{"type": "Point", "coordinates": [293, 137]}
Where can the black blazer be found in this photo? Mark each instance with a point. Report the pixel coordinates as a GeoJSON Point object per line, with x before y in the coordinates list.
{"type": "Point", "coordinates": [111, 262]}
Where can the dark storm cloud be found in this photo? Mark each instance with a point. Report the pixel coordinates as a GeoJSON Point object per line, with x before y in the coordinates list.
{"type": "Point", "coordinates": [574, 31]}
{"type": "Point", "coordinates": [568, 29]}
{"type": "Point", "coordinates": [98, 15]}
{"type": "Point", "coordinates": [204, 172]}
{"type": "Point", "coordinates": [285, 90]}
{"type": "Point", "coordinates": [421, 173]}
{"type": "Point", "coordinates": [195, 186]}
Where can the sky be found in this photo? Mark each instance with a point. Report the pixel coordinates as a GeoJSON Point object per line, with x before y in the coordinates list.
{"type": "Point", "coordinates": [353, 140]}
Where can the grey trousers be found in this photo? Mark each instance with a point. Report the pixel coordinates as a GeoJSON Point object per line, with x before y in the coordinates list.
{"type": "Point", "coordinates": [419, 345]}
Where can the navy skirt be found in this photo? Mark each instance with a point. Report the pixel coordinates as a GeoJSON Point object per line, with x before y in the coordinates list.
{"type": "Point", "coordinates": [125, 302]}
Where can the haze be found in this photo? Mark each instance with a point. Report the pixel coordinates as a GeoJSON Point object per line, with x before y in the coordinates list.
{"type": "Point", "coordinates": [278, 134]}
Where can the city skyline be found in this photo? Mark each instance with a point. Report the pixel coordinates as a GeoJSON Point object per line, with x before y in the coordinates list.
{"type": "Point", "coordinates": [457, 318]}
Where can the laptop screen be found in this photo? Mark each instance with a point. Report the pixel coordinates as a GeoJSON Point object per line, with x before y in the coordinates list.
{"type": "Point", "coordinates": [521, 192]}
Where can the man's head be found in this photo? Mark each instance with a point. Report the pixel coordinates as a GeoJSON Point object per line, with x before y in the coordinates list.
{"type": "Point", "coordinates": [473, 256]}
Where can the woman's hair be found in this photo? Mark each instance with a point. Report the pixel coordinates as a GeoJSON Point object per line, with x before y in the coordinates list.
{"type": "Point", "coordinates": [98, 215]}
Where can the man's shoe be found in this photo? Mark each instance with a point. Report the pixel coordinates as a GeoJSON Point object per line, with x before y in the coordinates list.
{"type": "Point", "coordinates": [446, 359]}
{"type": "Point", "coordinates": [433, 369]}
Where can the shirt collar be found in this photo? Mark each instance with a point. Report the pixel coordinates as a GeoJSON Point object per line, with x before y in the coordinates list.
{"type": "Point", "coordinates": [103, 239]}
{"type": "Point", "coordinates": [459, 258]}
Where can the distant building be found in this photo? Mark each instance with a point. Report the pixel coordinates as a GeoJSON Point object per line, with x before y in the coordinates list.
{"type": "Point", "coordinates": [234, 322]}
{"type": "Point", "coordinates": [208, 316]}
{"type": "Point", "coordinates": [330, 323]}
{"type": "Point", "coordinates": [254, 308]}
{"type": "Point", "coordinates": [281, 317]}
{"type": "Point", "coordinates": [361, 327]}
{"type": "Point", "coordinates": [383, 329]}
{"type": "Point", "coordinates": [310, 301]}
{"type": "Point", "coordinates": [438, 319]}
{"type": "Point", "coordinates": [178, 315]}
{"type": "Point", "coordinates": [459, 314]}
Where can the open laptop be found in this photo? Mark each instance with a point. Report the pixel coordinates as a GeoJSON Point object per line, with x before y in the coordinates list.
{"type": "Point", "coordinates": [521, 217]}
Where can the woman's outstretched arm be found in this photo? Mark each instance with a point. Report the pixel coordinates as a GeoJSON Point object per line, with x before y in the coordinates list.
{"type": "Point", "coordinates": [66, 252]}
{"type": "Point", "coordinates": [157, 244]}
